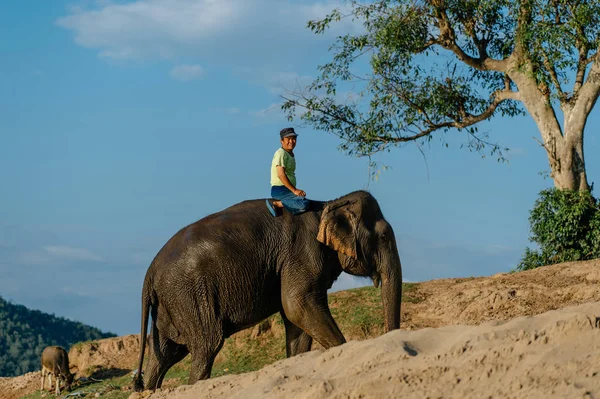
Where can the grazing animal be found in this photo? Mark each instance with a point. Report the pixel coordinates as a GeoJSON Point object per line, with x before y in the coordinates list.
{"type": "Point", "coordinates": [55, 361]}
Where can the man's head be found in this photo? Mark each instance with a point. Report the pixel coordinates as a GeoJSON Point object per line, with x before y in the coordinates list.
{"type": "Point", "coordinates": [288, 138]}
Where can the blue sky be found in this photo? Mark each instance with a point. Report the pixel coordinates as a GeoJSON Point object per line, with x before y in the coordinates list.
{"type": "Point", "coordinates": [123, 121]}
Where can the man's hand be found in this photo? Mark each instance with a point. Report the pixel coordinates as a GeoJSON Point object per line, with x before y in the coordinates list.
{"type": "Point", "coordinates": [299, 193]}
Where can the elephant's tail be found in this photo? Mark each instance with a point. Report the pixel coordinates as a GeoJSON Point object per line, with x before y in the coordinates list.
{"type": "Point", "coordinates": [138, 381]}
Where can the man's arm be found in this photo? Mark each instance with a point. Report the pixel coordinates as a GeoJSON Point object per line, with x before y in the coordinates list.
{"type": "Point", "coordinates": [286, 182]}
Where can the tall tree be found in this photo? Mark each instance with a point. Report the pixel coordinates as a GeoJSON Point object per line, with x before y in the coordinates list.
{"type": "Point", "coordinates": [444, 65]}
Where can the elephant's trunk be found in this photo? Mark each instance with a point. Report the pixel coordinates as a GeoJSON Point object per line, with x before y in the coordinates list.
{"type": "Point", "coordinates": [391, 293]}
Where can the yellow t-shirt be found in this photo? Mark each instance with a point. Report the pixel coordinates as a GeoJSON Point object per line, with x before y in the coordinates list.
{"type": "Point", "coordinates": [283, 158]}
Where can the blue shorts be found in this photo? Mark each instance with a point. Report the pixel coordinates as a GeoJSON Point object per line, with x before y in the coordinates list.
{"type": "Point", "coordinates": [289, 200]}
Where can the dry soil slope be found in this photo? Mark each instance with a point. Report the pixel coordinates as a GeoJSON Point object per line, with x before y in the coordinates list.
{"type": "Point", "coordinates": [434, 303]}
{"type": "Point", "coordinates": [503, 296]}
{"type": "Point", "coordinates": [552, 355]}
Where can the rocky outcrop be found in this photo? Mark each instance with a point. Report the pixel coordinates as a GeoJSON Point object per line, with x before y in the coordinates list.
{"type": "Point", "coordinates": [119, 353]}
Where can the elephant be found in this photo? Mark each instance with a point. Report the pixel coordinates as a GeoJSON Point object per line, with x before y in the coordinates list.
{"type": "Point", "coordinates": [234, 268]}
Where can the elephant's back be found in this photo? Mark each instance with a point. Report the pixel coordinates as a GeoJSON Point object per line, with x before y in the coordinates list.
{"type": "Point", "coordinates": [217, 238]}
{"type": "Point", "coordinates": [222, 256]}
{"type": "Point", "coordinates": [245, 229]}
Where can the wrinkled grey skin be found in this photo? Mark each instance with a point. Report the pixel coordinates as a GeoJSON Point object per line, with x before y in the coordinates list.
{"type": "Point", "coordinates": [237, 267]}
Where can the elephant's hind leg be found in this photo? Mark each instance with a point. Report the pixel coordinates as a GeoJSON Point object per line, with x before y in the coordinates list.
{"type": "Point", "coordinates": [174, 353]}
{"type": "Point", "coordinates": [203, 357]}
{"type": "Point", "coordinates": [164, 353]}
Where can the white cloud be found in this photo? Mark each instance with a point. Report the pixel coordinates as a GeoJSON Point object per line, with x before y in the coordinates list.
{"type": "Point", "coordinates": [186, 72]}
{"type": "Point", "coordinates": [148, 28]}
{"type": "Point", "coordinates": [70, 253]}
{"type": "Point", "coordinates": [224, 29]}
{"type": "Point", "coordinates": [53, 253]}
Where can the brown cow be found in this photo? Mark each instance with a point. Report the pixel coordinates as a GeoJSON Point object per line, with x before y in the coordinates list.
{"type": "Point", "coordinates": [55, 361]}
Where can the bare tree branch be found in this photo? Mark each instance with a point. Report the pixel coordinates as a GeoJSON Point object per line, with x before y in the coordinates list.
{"type": "Point", "coordinates": [466, 121]}
{"type": "Point", "coordinates": [448, 38]}
{"type": "Point", "coordinates": [590, 90]}
{"type": "Point", "coordinates": [555, 81]}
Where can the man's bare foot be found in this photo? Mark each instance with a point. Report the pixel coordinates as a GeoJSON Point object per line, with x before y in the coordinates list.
{"type": "Point", "coordinates": [272, 207]}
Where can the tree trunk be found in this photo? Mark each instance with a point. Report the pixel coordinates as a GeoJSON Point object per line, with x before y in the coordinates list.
{"type": "Point", "coordinates": [568, 163]}
{"type": "Point", "coordinates": [564, 148]}
{"type": "Point", "coordinates": [565, 154]}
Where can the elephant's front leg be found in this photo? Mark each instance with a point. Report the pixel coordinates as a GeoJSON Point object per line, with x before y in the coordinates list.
{"type": "Point", "coordinates": [296, 340]}
{"type": "Point", "coordinates": [309, 311]}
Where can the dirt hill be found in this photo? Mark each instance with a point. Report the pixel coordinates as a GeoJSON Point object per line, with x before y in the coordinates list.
{"type": "Point", "coordinates": [552, 355]}
{"type": "Point", "coordinates": [436, 303]}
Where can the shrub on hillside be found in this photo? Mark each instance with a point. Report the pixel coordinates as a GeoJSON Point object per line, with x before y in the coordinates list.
{"type": "Point", "coordinates": [565, 224]}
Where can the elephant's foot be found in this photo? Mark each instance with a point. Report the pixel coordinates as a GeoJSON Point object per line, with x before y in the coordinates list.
{"type": "Point", "coordinates": [200, 370]}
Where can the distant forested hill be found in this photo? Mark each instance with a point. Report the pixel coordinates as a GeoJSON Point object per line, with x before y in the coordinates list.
{"type": "Point", "coordinates": [24, 334]}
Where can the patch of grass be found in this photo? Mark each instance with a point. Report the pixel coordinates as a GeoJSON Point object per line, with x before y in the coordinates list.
{"type": "Point", "coordinates": [180, 372]}
{"type": "Point", "coordinates": [244, 353]}
{"type": "Point", "coordinates": [408, 287]}
{"type": "Point", "coordinates": [410, 293]}
{"type": "Point", "coordinates": [358, 312]}
{"type": "Point", "coordinates": [114, 388]}
{"type": "Point", "coordinates": [81, 344]}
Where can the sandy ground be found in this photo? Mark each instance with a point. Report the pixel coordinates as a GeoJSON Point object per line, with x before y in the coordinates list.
{"type": "Point", "coordinates": [552, 355]}
{"type": "Point", "coordinates": [460, 302]}
{"type": "Point", "coordinates": [13, 388]}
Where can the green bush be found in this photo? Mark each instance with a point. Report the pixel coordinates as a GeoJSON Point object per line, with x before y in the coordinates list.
{"type": "Point", "coordinates": [566, 226]}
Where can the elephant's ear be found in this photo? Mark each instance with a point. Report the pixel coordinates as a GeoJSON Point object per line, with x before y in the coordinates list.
{"type": "Point", "coordinates": [337, 229]}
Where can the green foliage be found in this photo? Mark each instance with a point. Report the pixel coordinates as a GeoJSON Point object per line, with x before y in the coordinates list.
{"type": "Point", "coordinates": [555, 35]}
{"type": "Point", "coordinates": [24, 334]}
{"type": "Point", "coordinates": [434, 67]}
{"type": "Point", "coordinates": [566, 226]}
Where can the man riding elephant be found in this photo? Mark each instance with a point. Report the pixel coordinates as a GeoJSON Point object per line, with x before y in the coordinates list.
{"type": "Point", "coordinates": [283, 177]}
